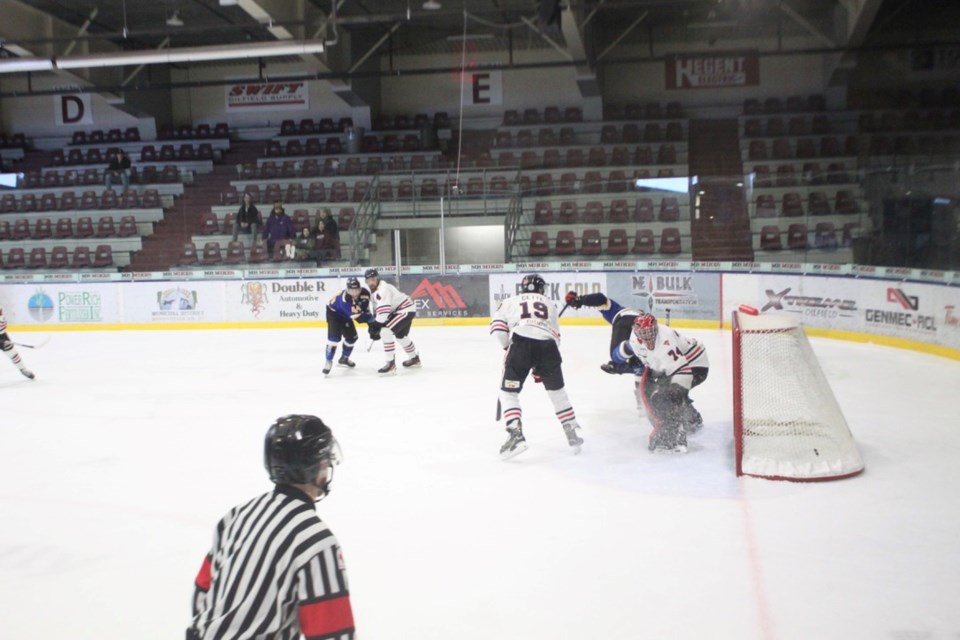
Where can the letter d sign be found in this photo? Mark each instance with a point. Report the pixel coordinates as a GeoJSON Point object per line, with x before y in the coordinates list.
{"type": "Point", "coordinates": [73, 109]}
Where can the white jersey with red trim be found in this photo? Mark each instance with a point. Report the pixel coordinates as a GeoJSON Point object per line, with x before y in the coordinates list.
{"type": "Point", "coordinates": [3, 321]}
{"type": "Point", "coordinates": [671, 354]}
{"type": "Point", "coordinates": [387, 299]}
{"type": "Point", "coordinates": [532, 315]}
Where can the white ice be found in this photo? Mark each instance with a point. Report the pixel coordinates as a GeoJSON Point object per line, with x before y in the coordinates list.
{"type": "Point", "coordinates": [118, 460]}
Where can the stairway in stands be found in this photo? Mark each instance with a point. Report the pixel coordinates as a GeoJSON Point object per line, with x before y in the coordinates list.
{"type": "Point", "coordinates": [161, 251]}
{"type": "Point", "coordinates": [722, 230]}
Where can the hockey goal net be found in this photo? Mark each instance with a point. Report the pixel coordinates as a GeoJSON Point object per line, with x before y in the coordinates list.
{"type": "Point", "coordinates": [787, 423]}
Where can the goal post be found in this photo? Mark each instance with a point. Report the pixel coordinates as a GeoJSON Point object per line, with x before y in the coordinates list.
{"type": "Point", "coordinates": [787, 422]}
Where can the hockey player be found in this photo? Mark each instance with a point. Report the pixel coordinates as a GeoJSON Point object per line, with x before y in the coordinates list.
{"type": "Point", "coordinates": [527, 326]}
{"type": "Point", "coordinates": [352, 301]}
{"type": "Point", "coordinates": [275, 570]}
{"type": "Point", "coordinates": [391, 309]}
{"type": "Point", "coordinates": [621, 321]}
{"type": "Point", "coordinates": [673, 366]}
{"type": "Point", "coordinates": [7, 346]}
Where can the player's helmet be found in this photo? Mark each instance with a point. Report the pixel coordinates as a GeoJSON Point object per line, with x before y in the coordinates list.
{"type": "Point", "coordinates": [353, 283]}
{"type": "Point", "coordinates": [645, 328]}
{"type": "Point", "coordinates": [295, 449]}
{"type": "Point", "coordinates": [533, 283]}
{"type": "Point", "coordinates": [371, 273]}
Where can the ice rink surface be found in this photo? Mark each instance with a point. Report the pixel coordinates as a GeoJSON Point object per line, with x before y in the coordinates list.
{"type": "Point", "coordinates": [119, 459]}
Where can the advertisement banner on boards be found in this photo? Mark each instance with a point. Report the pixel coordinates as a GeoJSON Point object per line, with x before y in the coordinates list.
{"type": "Point", "coordinates": [303, 299]}
{"type": "Point", "coordinates": [908, 310]}
{"type": "Point", "coordinates": [171, 302]}
{"type": "Point", "coordinates": [505, 285]}
{"type": "Point", "coordinates": [903, 309]}
{"type": "Point", "coordinates": [690, 295]}
{"type": "Point", "coordinates": [829, 303]}
{"type": "Point", "coordinates": [53, 304]}
{"type": "Point", "coordinates": [464, 296]}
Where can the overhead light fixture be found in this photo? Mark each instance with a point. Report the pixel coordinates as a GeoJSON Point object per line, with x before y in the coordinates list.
{"type": "Point", "coordinates": [24, 65]}
{"type": "Point", "coordinates": [432, 5]}
{"type": "Point", "coordinates": [185, 54]}
{"type": "Point", "coordinates": [175, 20]}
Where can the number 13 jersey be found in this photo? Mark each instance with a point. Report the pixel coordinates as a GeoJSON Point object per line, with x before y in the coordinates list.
{"type": "Point", "coordinates": [531, 315]}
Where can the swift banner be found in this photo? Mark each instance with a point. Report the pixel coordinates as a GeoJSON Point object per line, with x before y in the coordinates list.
{"type": "Point", "coordinates": [250, 96]}
{"type": "Point", "coordinates": [713, 70]}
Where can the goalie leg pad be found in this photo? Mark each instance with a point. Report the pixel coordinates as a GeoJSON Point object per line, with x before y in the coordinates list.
{"type": "Point", "coordinates": [666, 404]}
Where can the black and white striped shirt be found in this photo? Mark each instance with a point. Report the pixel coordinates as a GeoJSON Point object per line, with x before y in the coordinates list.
{"type": "Point", "coordinates": [275, 572]}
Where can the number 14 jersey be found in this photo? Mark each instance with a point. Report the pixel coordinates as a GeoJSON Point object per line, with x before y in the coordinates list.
{"type": "Point", "coordinates": [531, 315]}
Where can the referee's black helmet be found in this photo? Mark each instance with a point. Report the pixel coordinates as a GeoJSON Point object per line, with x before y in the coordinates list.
{"type": "Point", "coordinates": [296, 447]}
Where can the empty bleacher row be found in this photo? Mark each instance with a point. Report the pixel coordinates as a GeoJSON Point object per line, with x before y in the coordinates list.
{"type": "Point", "coordinates": [606, 133]}
{"type": "Point", "coordinates": [53, 177]}
{"type": "Point", "coordinates": [27, 240]}
{"type": "Point", "coordinates": [140, 153]}
{"type": "Point", "coordinates": [76, 227]}
{"type": "Point", "coordinates": [343, 164]}
{"type": "Point", "coordinates": [78, 258]}
{"type": "Point", "coordinates": [68, 200]}
{"type": "Point", "coordinates": [12, 141]}
{"type": "Point", "coordinates": [590, 242]}
{"type": "Point", "coordinates": [469, 184]}
{"type": "Point", "coordinates": [586, 156]}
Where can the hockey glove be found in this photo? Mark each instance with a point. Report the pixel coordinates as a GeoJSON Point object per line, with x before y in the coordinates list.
{"type": "Point", "coordinates": [536, 377]}
{"type": "Point", "coordinates": [572, 300]}
{"type": "Point", "coordinates": [373, 328]}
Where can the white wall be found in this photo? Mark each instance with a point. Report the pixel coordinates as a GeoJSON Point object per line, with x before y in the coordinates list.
{"type": "Point", "coordinates": [441, 92]}
{"type": "Point", "coordinates": [780, 76]}
{"type": "Point", "coordinates": [207, 103]}
{"type": "Point", "coordinates": [35, 115]}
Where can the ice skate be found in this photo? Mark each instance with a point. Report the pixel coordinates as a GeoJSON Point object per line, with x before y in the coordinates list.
{"type": "Point", "coordinates": [327, 366]}
{"type": "Point", "coordinates": [388, 369]}
{"type": "Point", "coordinates": [572, 430]}
{"type": "Point", "coordinates": [344, 361]}
{"type": "Point", "coordinates": [669, 440]}
{"type": "Point", "coordinates": [412, 362]}
{"type": "Point", "coordinates": [609, 367]}
{"type": "Point", "coordinates": [28, 373]}
{"type": "Point", "coordinates": [515, 444]}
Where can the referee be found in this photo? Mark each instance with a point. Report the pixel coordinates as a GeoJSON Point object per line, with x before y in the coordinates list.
{"type": "Point", "coordinates": [275, 570]}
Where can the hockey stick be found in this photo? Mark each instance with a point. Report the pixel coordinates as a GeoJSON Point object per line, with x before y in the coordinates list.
{"type": "Point", "coordinates": [39, 345]}
{"type": "Point", "coordinates": [564, 309]}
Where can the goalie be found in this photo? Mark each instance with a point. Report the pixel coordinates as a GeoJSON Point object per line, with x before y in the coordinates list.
{"type": "Point", "coordinates": [673, 366]}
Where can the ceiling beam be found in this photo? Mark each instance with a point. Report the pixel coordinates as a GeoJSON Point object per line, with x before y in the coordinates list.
{"type": "Point", "coordinates": [807, 26]}
{"type": "Point", "coordinates": [81, 32]}
{"type": "Point", "coordinates": [860, 15]}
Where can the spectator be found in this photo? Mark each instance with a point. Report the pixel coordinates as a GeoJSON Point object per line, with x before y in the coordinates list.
{"type": "Point", "coordinates": [305, 246]}
{"type": "Point", "coordinates": [248, 219]}
{"type": "Point", "coordinates": [326, 245]}
{"type": "Point", "coordinates": [118, 168]}
{"type": "Point", "coordinates": [326, 217]}
{"type": "Point", "coordinates": [279, 226]}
